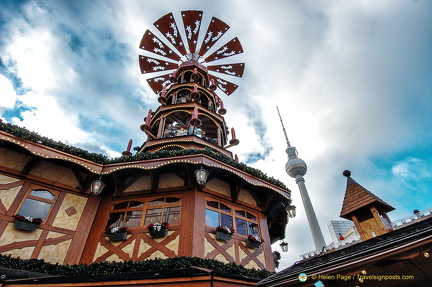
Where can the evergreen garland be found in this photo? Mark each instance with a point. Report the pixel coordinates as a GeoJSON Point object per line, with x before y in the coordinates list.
{"type": "Point", "coordinates": [207, 151]}
{"type": "Point", "coordinates": [102, 159]}
{"type": "Point", "coordinates": [105, 267]}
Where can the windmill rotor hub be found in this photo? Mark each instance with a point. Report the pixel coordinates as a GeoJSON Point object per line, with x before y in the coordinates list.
{"type": "Point", "coordinates": [192, 56]}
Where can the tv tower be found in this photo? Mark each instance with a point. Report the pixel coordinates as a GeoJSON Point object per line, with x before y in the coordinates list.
{"type": "Point", "coordinates": [296, 168]}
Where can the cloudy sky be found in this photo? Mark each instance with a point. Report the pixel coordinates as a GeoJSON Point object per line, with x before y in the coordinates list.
{"type": "Point", "coordinates": [352, 79]}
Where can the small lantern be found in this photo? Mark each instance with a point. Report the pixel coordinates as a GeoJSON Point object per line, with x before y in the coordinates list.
{"type": "Point", "coordinates": [195, 121]}
{"type": "Point", "coordinates": [201, 176]}
{"type": "Point", "coordinates": [127, 152]}
{"type": "Point", "coordinates": [195, 94]}
{"type": "Point", "coordinates": [173, 77]}
{"type": "Point", "coordinates": [234, 141]}
{"type": "Point", "coordinates": [291, 209]}
{"type": "Point", "coordinates": [212, 86]}
{"type": "Point", "coordinates": [284, 246]}
{"type": "Point", "coordinates": [96, 187]}
{"type": "Point", "coordinates": [195, 75]}
{"type": "Point", "coordinates": [146, 126]}
{"type": "Point", "coordinates": [222, 111]}
{"type": "Point", "coordinates": [162, 98]}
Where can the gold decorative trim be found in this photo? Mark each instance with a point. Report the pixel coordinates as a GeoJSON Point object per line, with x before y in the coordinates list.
{"type": "Point", "coordinates": [51, 153]}
{"type": "Point", "coordinates": [204, 160]}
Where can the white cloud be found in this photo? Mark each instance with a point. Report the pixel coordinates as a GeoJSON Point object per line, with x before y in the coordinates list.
{"type": "Point", "coordinates": [352, 81]}
{"type": "Point", "coordinates": [7, 94]}
{"type": "Point", "coordinates": [412, 168]}
{"type": "Point", "coordinates": [50, 120]}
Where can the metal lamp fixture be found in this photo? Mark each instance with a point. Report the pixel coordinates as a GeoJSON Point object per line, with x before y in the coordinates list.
{"type": "Point", "coordinates": [201, 176]}
{"type": "Point", "coordinates": [291, 209]}
{"type": "Point", "coordinates": [97, 186]}
{"type": "Point", "coordinates": [284, 246]}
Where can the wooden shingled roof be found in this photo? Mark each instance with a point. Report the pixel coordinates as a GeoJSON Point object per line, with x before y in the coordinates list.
{"type": "Point", "coordinates": [381, 254]}
{"type": "Point", "coordinates": [356, 197]}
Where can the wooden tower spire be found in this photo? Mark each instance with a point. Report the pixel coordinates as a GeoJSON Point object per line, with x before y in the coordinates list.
{"type": "Point", "coordinates": [366, 210]}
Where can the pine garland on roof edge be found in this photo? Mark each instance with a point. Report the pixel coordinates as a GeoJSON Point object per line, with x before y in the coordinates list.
{"type": "Point", "coordinates": [105, 267]}
{"type": "Point", "coordinates": [23, 133]}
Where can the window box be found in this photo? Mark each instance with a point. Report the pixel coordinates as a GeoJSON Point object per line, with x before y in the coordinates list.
{"type": "Point", "coordinates": [122, 236]}
{"type": "Point", "coordinates": [116, 233]}
{"type": "Point", "coordinates": [158, 233]}
{"type": "Point", "coordinates": [252, 244]}
{"type": "Point", "coordinates": [254, 241]}
{"type": "Point", "coordinates": [158, 230]}
{"type": "Point", "coordinates": [24, 225]}
{"type": "Point", "coordinates": [223, 236]}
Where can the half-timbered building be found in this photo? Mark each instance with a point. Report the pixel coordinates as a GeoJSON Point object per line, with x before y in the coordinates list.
{"type": "Point", "coordinates": [182, 194]}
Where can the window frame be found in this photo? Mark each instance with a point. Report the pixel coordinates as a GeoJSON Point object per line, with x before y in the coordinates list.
{"type": "Point", "coordinates": [28, 195]}
{"type": "Point", "coordinates": [233, 214]}
{"type": "Point", "coordinates": [124, 212]}
{"type": "Point", "coordinates": [146, 205]}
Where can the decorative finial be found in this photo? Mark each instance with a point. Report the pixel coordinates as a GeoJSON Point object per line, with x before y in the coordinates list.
{"type": "Point", "coordinates": [283, 127]}
{"type": "Point", "coordinates": [350, 181]}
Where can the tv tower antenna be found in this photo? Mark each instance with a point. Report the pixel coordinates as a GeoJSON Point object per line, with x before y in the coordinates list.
{"type": "Point", "coordinates": [297, 168]}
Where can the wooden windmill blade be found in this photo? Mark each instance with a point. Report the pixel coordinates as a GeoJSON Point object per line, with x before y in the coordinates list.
{"type": "Point", "coordinates": [192, 23]}
{"type": "Point", "coordinates": [150, 65]}
{"type": "Point", "coordinates": [235, 70]}
{"type": "Point", "coordinates": [231, 48]}
{"type": "Point", "coordinates": [150, 42]}
{"type": "Point", "coordinates": [225, 86]}
{"type": "Point", "coordinates": [168, 27]}
{"type": "Point", "coordinates": [215, 31]}
{"type": "Point", "coordinates": [157, 83]}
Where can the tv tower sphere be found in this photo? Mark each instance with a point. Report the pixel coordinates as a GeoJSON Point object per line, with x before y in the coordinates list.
{"type": "Point", "coordinates": [295, 166]}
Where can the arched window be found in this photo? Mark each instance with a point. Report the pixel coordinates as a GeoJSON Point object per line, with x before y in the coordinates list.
{"type": "Point", "coordinates": [246, 223]}
{"type": "Point", "coordinates": [219, 214]}
{"type": "Point", "coordinates": [166, 209]}
{"type": "Point", "coordinates": [126, 214]}
{"type": "Point", "coordinates": [37, 204]}
{"type": "Point", "coordinates": [141, 213]}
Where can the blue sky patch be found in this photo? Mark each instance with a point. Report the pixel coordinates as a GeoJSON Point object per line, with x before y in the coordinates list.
{"type": "Point", "coordinates": [17, 111]}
